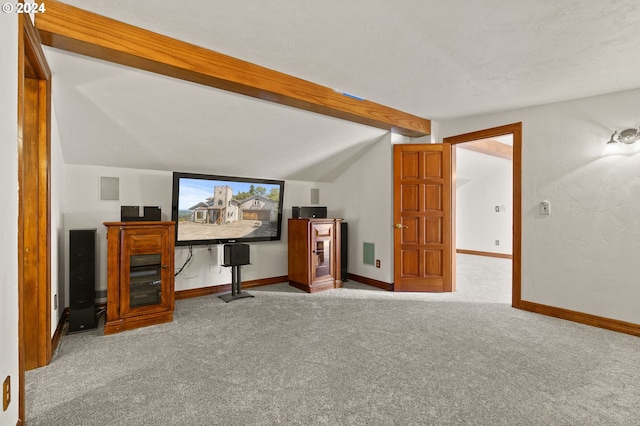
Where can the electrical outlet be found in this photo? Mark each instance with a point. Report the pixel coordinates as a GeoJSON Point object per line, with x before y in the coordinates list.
{"type": "Point", "coordinates": [497, 242]}
{"type": "Point", "coordinates": [377, 263]}
{"type": "Point", "coordinates": [6, 393]}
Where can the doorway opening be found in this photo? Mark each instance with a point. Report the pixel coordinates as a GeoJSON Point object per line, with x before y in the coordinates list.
{"type": "Point", "coordinates": [486, 208]}
{"type": "Point", "coordinates": [484, 198]}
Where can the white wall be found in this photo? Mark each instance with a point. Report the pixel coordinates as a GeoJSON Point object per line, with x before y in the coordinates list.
{"type": "Point", "coordinates": [583, 256]}
{"type": "Point", "coordinates": [83, 209]}
{"type": "Point", "coordinates": [363, 197]}
{"type": "Point", "coordinates": [478, 225]}
{"type": "Point", "coordinates": [57, 226]}
{"type": "Point", "coordinates": [9, 211]}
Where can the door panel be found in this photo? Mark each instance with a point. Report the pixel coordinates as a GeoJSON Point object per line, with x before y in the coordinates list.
{"type": "Point", "coordinates": [410, 198]}
{"type": "Point", "coordinates": [411, 232]}
{"type": "Point", "coordinates": [433, 263]}
{"type": "Point", "coordinates": [433, 164]}
{"type": "Point", "coordinates": [410, 263]}
{"type": "Point", "coordinates": [433, 195]}
{"type": "Point", "coordinates": [422, 216]}
{"type": "Point", "coordinates": [434, 230]}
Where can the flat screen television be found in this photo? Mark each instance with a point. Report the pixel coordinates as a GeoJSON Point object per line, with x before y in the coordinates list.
{"type": "Point", "coordinates": [211, 209]}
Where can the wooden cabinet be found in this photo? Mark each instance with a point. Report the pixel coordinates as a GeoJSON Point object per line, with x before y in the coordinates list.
{"type": "Point", "coordinates": [140, 274]}
{"type": "Point", "coordinates": [314, 254]}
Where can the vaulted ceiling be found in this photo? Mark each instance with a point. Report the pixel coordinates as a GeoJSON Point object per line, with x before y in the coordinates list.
{"type": "Point", "coordinates": [432, 59]}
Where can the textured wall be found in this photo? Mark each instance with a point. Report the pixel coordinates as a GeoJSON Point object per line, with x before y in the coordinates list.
{"type": "Point", "coordinates": [9, 211]}
{"type": "Point", "coordinates": [583, 256]}
{"type": "Point", "coordinates": [478, 225]}
{"type": "Point", "coordinates": [57, 226]}
{"type": "Point", "coordinates": [363, 196]}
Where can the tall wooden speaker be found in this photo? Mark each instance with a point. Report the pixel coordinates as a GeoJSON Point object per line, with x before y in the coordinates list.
{"type": "Point", "coordinates": [82, 279]}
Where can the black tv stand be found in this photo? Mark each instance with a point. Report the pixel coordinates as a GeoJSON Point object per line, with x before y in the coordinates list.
{"type": "Point", "coordinates": [236, 292]}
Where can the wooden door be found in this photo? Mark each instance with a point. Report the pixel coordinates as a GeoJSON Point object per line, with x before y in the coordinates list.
{"type": "Point", "coordinates": [423, 249]}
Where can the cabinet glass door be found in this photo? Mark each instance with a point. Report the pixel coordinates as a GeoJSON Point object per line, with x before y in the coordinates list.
{"type": "Point", "coordinates": [145, 280]}
{"type": "Point", "coordinates": [322, 262]}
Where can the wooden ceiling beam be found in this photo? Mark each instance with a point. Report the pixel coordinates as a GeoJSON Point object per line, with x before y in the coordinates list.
{"type": "Point", "coordinates": [489, 147]}
{"type": "Point", "coordinates": [75, 30]}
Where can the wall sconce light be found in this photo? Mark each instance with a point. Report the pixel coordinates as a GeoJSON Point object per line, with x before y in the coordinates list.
{"type": "Point", "coordinates": [627, 136]}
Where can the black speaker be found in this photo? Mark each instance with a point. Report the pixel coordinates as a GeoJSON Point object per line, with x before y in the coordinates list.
{"type": "Point", "coordinates": [236, 254]}
{"type": "Point", "coordinates": [82, 279]}
{"type": "Point", "coordinates": [129, 213]}
{"type": "Point", "coordinates": [344, 255]}
{"type": "Point", "coordinates": [152, 213]}
{"type": "Point", "coordinates": [132, 213]}
{"type": "Point", "coordinates": [308, 212]}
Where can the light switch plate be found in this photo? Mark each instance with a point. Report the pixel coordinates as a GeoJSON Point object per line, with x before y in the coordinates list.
{"type": "Point", "coordinates": [545, 208]}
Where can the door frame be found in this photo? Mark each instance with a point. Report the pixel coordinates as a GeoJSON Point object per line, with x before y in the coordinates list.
{"type": "Point", "coordinates": [516, 262]}
{"type": "Point", "coordinates": [34, 205]}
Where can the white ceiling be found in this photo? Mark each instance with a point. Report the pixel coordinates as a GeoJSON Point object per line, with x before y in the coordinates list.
{"type": "Point", "coordinates": [431, 58]}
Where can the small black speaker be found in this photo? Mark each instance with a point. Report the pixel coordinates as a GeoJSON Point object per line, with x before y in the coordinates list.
{"type": "Point", "coordinates": [298, 212]}
{"type": "Point", "coordinates": [152, 213]}
{"type": "Point", "coordinates": [132, 213]}
{"type": "Point", "coordinates": [82, 279]}
{"type": "Point", "coordinates": [129, 213]}
{"type": "Point", "coordinates": [236, 254]}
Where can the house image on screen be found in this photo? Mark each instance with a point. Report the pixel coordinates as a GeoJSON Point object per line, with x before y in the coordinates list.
{"type": "Point", "coordinates": [258, 207]}
{"type": "Point", "coordinates": [223, 208]}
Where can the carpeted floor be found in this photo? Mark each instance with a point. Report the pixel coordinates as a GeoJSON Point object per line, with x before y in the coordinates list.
{"type": "Point", "coordinates": [352, 356]}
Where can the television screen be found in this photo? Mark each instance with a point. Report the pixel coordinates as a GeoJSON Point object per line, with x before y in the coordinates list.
{"type": "Point", "coordinates": [210, 209]}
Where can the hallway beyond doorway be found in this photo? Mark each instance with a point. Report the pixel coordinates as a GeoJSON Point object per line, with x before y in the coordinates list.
{"type": "Point", "coordinates": [483, 279]}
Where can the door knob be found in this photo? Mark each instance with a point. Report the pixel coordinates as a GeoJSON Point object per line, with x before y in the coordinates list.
{"type": "Point", "coordinates": [399, 226]}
